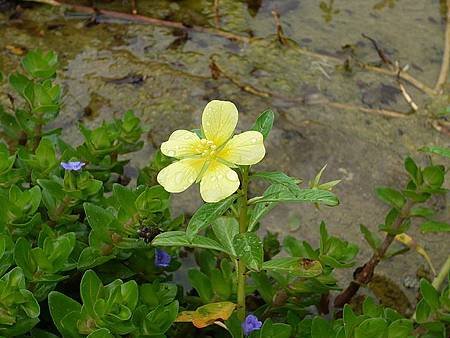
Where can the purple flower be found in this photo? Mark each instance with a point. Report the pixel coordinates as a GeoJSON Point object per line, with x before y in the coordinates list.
{"type": "Point", "coordinates": [162, 259]}
{"type": "Point", "coordinates": [76, 166]}
{"type": "Point", "coordinates": [251, 324]}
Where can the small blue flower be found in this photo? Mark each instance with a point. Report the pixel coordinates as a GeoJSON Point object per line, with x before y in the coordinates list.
{"type": "Point", "coordinates": [251, 324]}
{"type": "Point", "coordinates": [162, 258]}
{"type": "Point", "coordinates": [76, 166]}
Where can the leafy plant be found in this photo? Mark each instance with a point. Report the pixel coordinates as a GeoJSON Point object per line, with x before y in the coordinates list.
{"type": "Point", "coordinates": [86, 253]}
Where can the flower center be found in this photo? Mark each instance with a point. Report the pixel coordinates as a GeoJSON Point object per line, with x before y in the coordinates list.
{"type": "Point", "coordinates": [207, 148]}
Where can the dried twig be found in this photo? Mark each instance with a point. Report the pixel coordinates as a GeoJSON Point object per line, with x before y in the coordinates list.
{"type": "Point", "coordinates": [445, 66]}
{"type": "Point", "coordinates": [382, 112]}
{"type": "Point", "coordinates": [386, 60]}
{"type": "Point", "coordinates": [407, 97]}
{"type": "Point", "coordinates": [403, 75]}
{"type": "Point", "coordinates": [217, 71]}
{"type": "Point", "coordinates": [280, 33]}
{"type": "Point", "coordinates": [441, 126]}
{"type": "Point", "coordinates": [363, 275]}
{"type": "Point", "coordinates": [216, 14]}
{"type": "Point", "coordinates": [405, 94]}
{"type": "Point", "coordinates": [146, 20]}
{"type": "Point", "coordinates": [133, 7]}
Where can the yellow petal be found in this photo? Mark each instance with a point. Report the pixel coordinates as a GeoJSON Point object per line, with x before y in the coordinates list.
{"type": "Point", "coordinates": [218, 182]}
{"type": "Point", "coordinates": [179, 176]}
{"type": "Point", "coordinates": [219, 121]}
{"type": "Point", "coordinates": [244, 149]}
{"type": "Point", "coordinates": [180, 144]}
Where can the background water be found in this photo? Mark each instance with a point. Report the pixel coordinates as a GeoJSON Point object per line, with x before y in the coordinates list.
{"type": "Point", "coordinates": [164, 76]}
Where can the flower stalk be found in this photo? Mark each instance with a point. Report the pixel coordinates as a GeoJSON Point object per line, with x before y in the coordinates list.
{"type": "Point", "coordinates": [243, 225]}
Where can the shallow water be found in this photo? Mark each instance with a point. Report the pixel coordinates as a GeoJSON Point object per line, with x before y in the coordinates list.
{"type": "Point", "coordinates": [163, 75]}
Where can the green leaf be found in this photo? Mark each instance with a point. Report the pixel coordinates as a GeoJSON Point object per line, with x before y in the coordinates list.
{"type": "Point", "coordinates": [300, 267]}
{"type": "Point", "coordinates": [350, 321]}
{"type": "Point", "coordinates": [101, 333]}
{"type": "Point", "coordinates": [400, 328]}
{"type": "Point", "coordinates": [372, 239]}
{"type": "Point", "coordinates": [24, 258]}
{"type": "Point", "coordinates": [264, 285]}
{"type": "Point", "coordinates": [264, 123]}
{"type": "Point", "coordinates": [179, 238]}
{"type": "Point", "coordinates": [19, 82]}
{"type": "Point", "coordinates": [157, 294]}
{"type": "Point", "coordinates": [430, 294]}
{"type": "Point", "coordinates": [37, 333]}
{"type": "Point", "coordinates": [271, 330]}
{"type": "Point", "coordinates": [125, 199]}
{"type": "Point", "coordinates": [413, 170]}
{"type": "Point", "coordinates": [91, 257]}
{"type": "Point", "coordinates": [99, 219]}
{"type": "Point", "coordinates": [301, 195]}
{"type": "Point", "coordinates": [225, 229]}
{"type": "Point", "coordinates": [434, 226]}
{"type": "Point", "coordinates": [371, 309]}
{"type": "Point", "coordinates": [433, 176]}
{"type": "Point", "coordinates": [207, 213]}
{"type": "Point", "coordinates": [423, 311]}
{"type": "Point", "coordinates": [261, 209]}
{"type": "Point", "coordinates": [391, 197]}
{"type": "Point", "coordinates": [249, 247]}
{"type": "Point", "coordinates": [278, 177]}
{"type": "Point", "coordinates": [372, 327]}
{"type": "Point", "coordinates": [153, 199]}
{"type": "Point", "coordinates": [422, 212]}
{"type": "Point", "coordinates": [437, 150]}
{"type": "Point", "coordinates": [202, 284]}
{"type": "Point", "coordinates": [90, 289]}
{"type": "Point", "coordinates": [321, 328]}
{"type": "Point", "coordinates": [60, 306]}
{"type": "Point", "coordinates": [40, 64]}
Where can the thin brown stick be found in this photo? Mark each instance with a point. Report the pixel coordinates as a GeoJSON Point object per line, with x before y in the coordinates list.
{"type": "Point", "coordinates": [364, 274]}
{"type": "Point", "coordinates": [218, 70]}
{"type": "Point", "coordinates": [216, 14]}
{"type": "Point", "coordinates": [404, 76]}
{"type": "Point", "coordinates": [382, 112]}
{"type": "Point", "coordinates": [146, 20]}
{"type": "Point", "coordinates": [133, 7]}
{"type": "Point", "coordinates": [403, 90]}
{"type": "Point", "coordinates": [407, 97]}
{"type": "Point", "coordinates": [280, 33]}
{"type": "Point", "coordinates": [380, 51]}
{"type": "Point", "coordinates": [443, 74]}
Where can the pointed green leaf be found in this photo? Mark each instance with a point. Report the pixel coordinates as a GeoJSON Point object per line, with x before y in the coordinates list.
{"type": "Point", "coordinates": [249, 247]}
{"type": "Point", "coordinates": [179, 238]}
{"type": "Point", "coordinates": [225, 228]}
{"type": "Point", "coordinates": [264, 123]}
{"type": "Point", "coordinates": [206, 214]}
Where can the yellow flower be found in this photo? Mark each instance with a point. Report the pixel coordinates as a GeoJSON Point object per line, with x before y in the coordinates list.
{"type": "Point", "coordinates": [208, 160]}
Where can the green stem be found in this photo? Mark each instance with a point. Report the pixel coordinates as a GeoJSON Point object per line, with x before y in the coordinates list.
{"type": "Point", "coordinates": [243, 225]}
{"type": "Point", "coordinates": [443, 273]}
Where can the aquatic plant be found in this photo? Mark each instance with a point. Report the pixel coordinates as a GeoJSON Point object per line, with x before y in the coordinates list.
{"type": "Point", "coordinates": [86, 253]}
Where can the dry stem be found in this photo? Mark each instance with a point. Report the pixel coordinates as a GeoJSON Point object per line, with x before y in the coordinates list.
{"type": "Point", "coordinates": [217, 71]}
{"type": "Point", "coordinates": [442, 79]}
{"type": "Point", "coordinates": [364, 274]}
{"type": "Point", "coordinates": [133, 7]}
{"type": "Point", "coordinates": [145, 20]}
{"type": "Point", "coordinates": [280, 33]}
{"type": "Point", "coordinates": [216, 14]}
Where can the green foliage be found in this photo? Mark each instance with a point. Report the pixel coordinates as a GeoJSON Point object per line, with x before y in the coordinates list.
{"type": "Point", "coordinates": [84, 246]}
